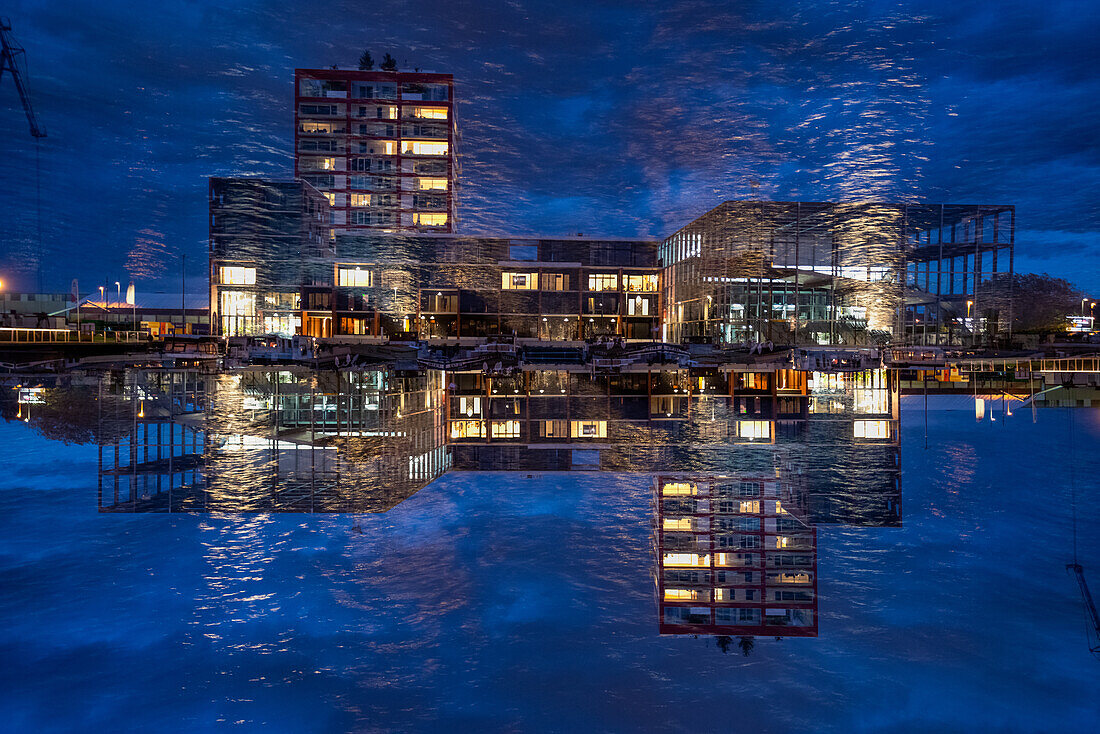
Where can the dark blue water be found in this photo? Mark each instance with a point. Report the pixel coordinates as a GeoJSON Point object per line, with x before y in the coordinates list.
{"type": "Point", "coordinates": [501, 603]}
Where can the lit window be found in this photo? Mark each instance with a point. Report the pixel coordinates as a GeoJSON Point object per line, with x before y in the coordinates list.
{"type": "Point", "coordinates": [754, 429]}
{"type": "Point", "coordinates": [589, 429]}
{"type": "Point", "coordinates": [331, 198]}
{"type": "Point", "coordinates": [681, 594]}
{"type": "Point", "coordinates": [555, 281]}
{"type": "Point", "coordinates": [429, 220]}
{"type": "Point", "coordinates": [469, 406]}
{"type": "Point", "coordinates": [467, 429]}
{"type": "Point", "coordinates": [359, 199]}
{"type": "Point", "coordinates": [686, 559]}
{"type": "Point", "coordinates": [310, 126]}
{"type": "Point", "coordinates": [872, 429]}
{"type": "Point", "coordinates": [518, 281]}
{"type": "Point", "coordinates": [423, 147]}
{"type": "Point", "coordinates": [355, 278]}
{"type": "Point", "coordinates": [430, 113]}
{"type": "Point", "coordinates": [637, 306]}
{"type": "Point", "coordinates": [319, 164]}
{"type": "Point", "coordinates": [603, 282]}
{"type": "Point", "coordinates": [505, 429]}
{"type": "Point", "coordinates": [235, 275]}
{"type": "Point", "coordinates": [678, 488]}
{"type": "Point", "coordinates": [677, 523]}
{"type": "Point", "coordinates": [237, 303]}
{"type": "Point", "coordinates": [750, 506]}
{"type": "Point", "coordinates": [555, 429]}
{"type": "Point", "coordinates": [432, 184]}
{"type": "Point", "coordinates": [640, 283]}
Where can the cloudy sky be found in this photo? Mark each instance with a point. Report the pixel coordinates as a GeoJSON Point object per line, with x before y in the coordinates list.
{"type": "Point", "coordinates": [618, 118]}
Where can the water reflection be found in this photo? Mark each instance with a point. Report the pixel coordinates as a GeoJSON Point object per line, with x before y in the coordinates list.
{"type": "Point", "coordinates": [743, 461]}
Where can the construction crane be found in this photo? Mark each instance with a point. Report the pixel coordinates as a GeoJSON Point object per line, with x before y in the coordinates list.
{"type": "Point", "coordinates": [13, 60]}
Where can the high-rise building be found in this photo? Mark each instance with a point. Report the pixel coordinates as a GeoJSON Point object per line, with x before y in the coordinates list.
{"type": "Point", "coordinates": [380, 145]}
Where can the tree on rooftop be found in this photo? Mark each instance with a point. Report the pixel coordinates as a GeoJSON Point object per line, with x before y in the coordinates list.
{"type": "Point", "coordinates": [389, 63]}
{"type": "Point", "coordinates": [745, 643]}
{"type": "Point", "coordinates": [366, 61]}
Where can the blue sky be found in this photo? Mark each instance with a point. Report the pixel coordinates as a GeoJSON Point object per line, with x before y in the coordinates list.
{"type": "Point", "coordinates": [618, 118]}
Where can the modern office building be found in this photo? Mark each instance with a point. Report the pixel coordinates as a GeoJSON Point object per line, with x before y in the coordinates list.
{"type": "Point", "coordinates": [380, 145]}
{"type": "Point", "coordinates": [836, 273]}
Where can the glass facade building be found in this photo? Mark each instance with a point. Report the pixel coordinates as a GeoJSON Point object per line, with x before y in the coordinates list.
{"type": "Point", "coordinates": [837, 273]}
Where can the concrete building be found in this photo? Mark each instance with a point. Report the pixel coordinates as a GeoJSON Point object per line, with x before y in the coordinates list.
{"type": "Point", "coordinates": [380, 145]}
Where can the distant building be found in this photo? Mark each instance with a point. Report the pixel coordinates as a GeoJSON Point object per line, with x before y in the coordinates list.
{"type": "Point", "coordinates": [380, 145]}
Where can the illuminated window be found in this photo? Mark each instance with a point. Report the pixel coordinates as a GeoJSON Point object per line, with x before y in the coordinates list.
{"type": "Point", "coordinates": [355, 278]}
{"type": "Point", "coordinates": [555, 281]}
{"type": "Point", "coordinates": [331, 198]}
{"type": "Point", "coordinates": [678, 488]}
{"type": "Point", "coordinates": [319, 164]}
{"type": "Point", "coordinates": [677, 523]}
{"type": "Point", "coordinates": [359, 199]}
{"type": "Point", "coordinates": [870, 400]}
{"type": "Point", "coordinates": [589, 429]}
{"type": "Point", "coordinates": [872, 429]}
{"type": "Point", "coordinates": [640, 283]}
{"type": "Point", "coordinates": [518, 281]}
{"type": "Point", "coordinates": [234, 275]}
{"type": "Point", "coordinates": [637, 306]}
{"type": "Point", "coordinates": [754, 429]}
{"type": "Point", "coordinates": [467, 429]}
{"type": "Point", "coordinates": [555, 429]}
{"type": "Point", "coordinates": [602, 282]}
{"type": "Point", "coordinates": [686, 559]}
{"type": "Point", "coordinates": [750, 506]}
{"type": "Point", "coordinates": [310, 126]}
{"type": "Point", "coordinates": [469, 406]}
{"type": "Point", "coordinates": [432, 184]}
{"type": "Point", "coordinates": [430, 113]}
{"type": "Point", "coordinates": [681, 594]}
{"type": "Point", "coordinates": [506, 429]}
{"type": "Point", "coordinates": [429, 220]}
{"type": "Point", "coordinates": [423, 147]}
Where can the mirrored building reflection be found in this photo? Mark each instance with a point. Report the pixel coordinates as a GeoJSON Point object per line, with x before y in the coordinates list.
{"type": "Point", "coordinates": [736, 555]}
{"type": "Point", "coordinates": [269, 440]}
{"type": "Point", "coordinates": [744, 459]}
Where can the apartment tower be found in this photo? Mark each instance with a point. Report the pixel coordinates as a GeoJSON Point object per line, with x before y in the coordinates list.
{"type": "Point", "coordinates": [380, 145]}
